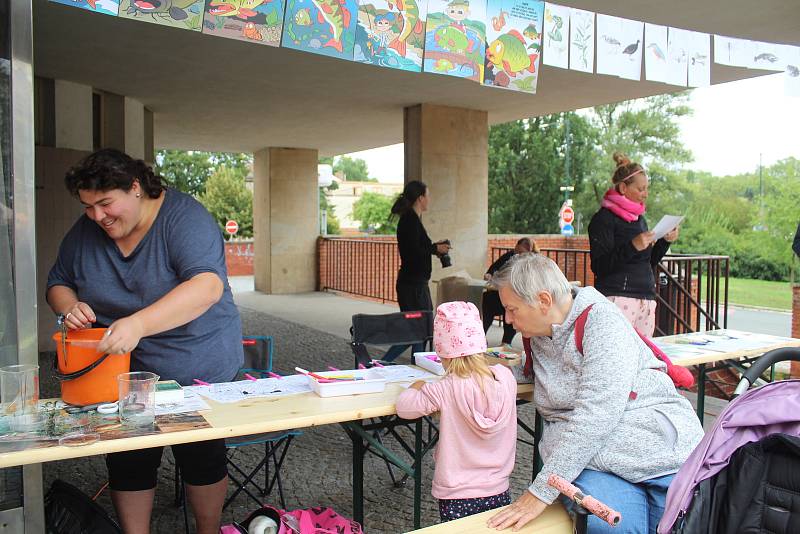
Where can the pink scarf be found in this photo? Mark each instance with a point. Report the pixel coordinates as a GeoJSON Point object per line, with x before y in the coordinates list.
{"type": "Point", "coordinates": [623, 208]}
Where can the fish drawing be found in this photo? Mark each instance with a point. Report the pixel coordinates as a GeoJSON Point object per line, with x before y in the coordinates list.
{"type": "Point", "coordinates": [509, 53]}
{"type": "Point", "coordinates": [250, 31]}
{"type": "Point", "coordinates": [303, 17]}
{"type": "Point", "coordinates": [409, 11]}
{"type": "Point", "coordinates": [531, 33]}
{"type": "Point", "coordinates": [337, 16]}
{"type": "Point", "coordinates": [443, 65]}
{"type": "Point", "coordinates": [242, 9]}
{"type": "Point", "coordinates": [766, 56]}
{"type": "Point", "coordinates": [175, 9]}
{"type": "Point", "coordinates": [792, 71]}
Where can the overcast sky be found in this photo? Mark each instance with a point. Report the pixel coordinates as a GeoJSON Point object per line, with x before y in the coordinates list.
{"type": "Point", "coordinates": [732, 123]}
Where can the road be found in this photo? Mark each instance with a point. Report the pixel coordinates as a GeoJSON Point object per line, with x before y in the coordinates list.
{"type": "Point", "coordinates": [760, 321]}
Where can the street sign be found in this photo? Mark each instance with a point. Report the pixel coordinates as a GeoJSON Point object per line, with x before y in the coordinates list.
{"type": "Point", "coordinates": [567, 215]}
{"type": "Point", "coordinates": [567, 230]}
{"type": "Point", "coordinates": [232, 227]}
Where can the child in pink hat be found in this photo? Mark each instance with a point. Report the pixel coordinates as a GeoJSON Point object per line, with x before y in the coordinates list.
{"type": "Point", "coordinates": [478, 416]}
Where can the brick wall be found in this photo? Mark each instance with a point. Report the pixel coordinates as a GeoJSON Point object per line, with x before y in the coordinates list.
{"type": "Point", "coordinates": [575, 265]}
{"type": "Point", "coordinates": [239, 258]}
{"type": "Point", "coordinates": [796, 324]}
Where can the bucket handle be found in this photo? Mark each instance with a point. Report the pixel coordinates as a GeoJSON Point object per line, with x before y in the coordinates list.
{"type": "Point", "coordinates": [80, 372]}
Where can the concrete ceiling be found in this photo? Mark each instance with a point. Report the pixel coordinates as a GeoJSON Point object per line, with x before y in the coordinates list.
{"type": "Point", "coordinates": [211, 93]}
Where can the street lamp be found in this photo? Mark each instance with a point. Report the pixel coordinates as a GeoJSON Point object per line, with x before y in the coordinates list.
{"type": "Point", "coordinates": [566, 189]}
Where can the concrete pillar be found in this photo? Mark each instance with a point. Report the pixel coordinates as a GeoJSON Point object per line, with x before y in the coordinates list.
{"type": "Point", "coordinates": [134, 129]}
{"type": "Point", "coordinates": [447, 148]}
{"type": "Point", "coordinates": [73, 115]}
{"type": "Point", "coordinates": [285, 215]}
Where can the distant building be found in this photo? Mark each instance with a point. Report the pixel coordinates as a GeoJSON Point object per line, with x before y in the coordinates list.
{"type": "Point", "coordinates": [347, 193]}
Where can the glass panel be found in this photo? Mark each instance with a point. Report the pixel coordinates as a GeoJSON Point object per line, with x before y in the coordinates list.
{"type": "Point", "coordinates": [8, 331]}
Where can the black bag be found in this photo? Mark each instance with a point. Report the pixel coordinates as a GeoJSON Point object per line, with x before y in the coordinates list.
{"type": "Point", "coordinates": [67, 510]}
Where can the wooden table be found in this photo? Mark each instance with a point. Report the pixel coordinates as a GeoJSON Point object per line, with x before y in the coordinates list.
{"type": "Point", "coordinates": [686, 351]}
{"type": "Point", "coordinates": [554, 520]}
{"type": "Point", "coordinates": [260, 415]}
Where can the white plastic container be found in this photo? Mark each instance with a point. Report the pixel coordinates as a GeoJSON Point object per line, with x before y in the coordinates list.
{"type": "Point", "coordinates": [374, 382]}
{"type": "Point", "coordinates": [430, 362]}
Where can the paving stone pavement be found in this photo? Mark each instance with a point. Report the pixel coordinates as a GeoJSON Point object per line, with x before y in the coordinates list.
{"type": "Point", "coordinates": [318, 468]}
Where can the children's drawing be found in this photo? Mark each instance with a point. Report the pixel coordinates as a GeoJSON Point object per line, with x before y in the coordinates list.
{"type": "Point", "coordinates": [326, 27]}
{"type": "Point", "coordinates": [619, 47]}
{"type": "Point", "coordinates": [677, 56]}
{"type": "Point", "coordinates": [185, 14]}
{"type": "Point", "coordinates": [655, 53]}
{"type": "Point", "coordinates": [106, 7]}
{"type": "Point", "coordinates": [733, 52]}
{"type": "Point", "coordinates": [258, 21]}
{"type": "Point", "coordinates": [455, 38]}
{"type": "Point", "coordinates": [556, 35]}
{"type": "Point", "coordinates": [769, 56]}
{"type": "Point", "coordinates": [391, 33]}
{"type": "Point", "coordinates": [581, 40]}
{"type": "Point", "coordinates": [513, 44]}
{"type": "Point", "coordinates": [699, 64]}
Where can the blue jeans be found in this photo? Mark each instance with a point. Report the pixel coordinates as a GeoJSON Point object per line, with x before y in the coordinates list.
{"type": "Point", "coordinates": [641, 504]}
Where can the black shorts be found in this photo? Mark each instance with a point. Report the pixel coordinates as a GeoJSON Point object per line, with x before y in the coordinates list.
{"type": "Point", "coordinates": [201, 463]}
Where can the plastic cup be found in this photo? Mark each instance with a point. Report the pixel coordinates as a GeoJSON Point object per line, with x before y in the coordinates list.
{"type": "Point", "coordinates": [19, 394]}
{"type": "Point", "coordinates": [137, 398]}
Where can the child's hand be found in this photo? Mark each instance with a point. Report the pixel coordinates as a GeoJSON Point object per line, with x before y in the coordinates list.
{"type": "Point", "coordinates": [417, 385]}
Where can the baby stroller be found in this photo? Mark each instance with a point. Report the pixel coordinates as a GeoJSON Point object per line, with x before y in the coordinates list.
{"type": "Point", "coordinates": [744, 476]}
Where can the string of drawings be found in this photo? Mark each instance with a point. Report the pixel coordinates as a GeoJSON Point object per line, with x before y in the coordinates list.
{"type": "Point", "coordinates": [498, 43]}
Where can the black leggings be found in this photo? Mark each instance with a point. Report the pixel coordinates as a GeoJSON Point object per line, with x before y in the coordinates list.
{"type": "Point", "coordinates": [201, 464]}
{"type": "Point", "coordinates": [410, 297]}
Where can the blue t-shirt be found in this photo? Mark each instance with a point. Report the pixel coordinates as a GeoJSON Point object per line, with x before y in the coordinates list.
{"type": "Point", "coordinates": [183, 242]}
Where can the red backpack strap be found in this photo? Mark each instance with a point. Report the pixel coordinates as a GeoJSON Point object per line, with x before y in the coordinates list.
{"type": "Point", "coordinates": [527, 370]}
{"type": "Point", "coordinates": [580, 326]}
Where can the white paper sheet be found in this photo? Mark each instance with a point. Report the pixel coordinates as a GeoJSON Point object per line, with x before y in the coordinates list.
{"type": "Point", "coordinates": [555, 50]}
{"type": "Point", "coordinates": [667, 224]}
{"type": "Point", "coordinates": [619, 47]}
{"type": "Point", "coordinates": [733, 52]}
{"type": "Point", "coordinates": [678, 56]}
{"type": "Point", "coordinates": [405, 373]}
{"type": "Point", "coordinates": [581, 42]}
{"type": "Point", "coordinates": [768, 56]}
{"type": "Point", "coordinates": [227, 392]}
{"type": "Point", "coordinates": [655, 53]}
{"type": "Point", "coordinates": [791, 76]}
{"type": "Point", "coordinates": [699, 66]}
{"type": "Point", "coordinates": [191, 403]}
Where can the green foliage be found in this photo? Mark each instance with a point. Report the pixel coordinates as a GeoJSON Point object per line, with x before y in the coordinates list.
{"type": "Point", "coordinates": [332, 227]}
{"type": "Point", "coordinates": [188, 171]}
{"type": "Point", "coordinates": [354, 169]}
{"type": "Point", "coordinates": [226, 197]}
{"type": "Point", "coordinates": [526, 169]}
{"type": "Point", "coordinates": [372, 210]}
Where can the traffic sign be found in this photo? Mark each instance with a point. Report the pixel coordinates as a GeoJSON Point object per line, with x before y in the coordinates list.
{"type": "Point", "coordinates": [567, 215]}
{"type": "Point", "coordinates": [567, 230]}
{"type": "Point", "coordinates": [232, 227]}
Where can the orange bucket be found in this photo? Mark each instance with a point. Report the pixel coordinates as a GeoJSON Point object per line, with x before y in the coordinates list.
{"type": "Point", "coordinates": [87, 376]}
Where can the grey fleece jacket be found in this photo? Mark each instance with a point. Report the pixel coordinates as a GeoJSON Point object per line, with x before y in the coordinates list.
{"type": "Point", "coordinates": [612, 409]}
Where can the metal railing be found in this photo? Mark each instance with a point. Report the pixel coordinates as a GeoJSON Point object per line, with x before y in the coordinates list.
{"type": "Point", "coordinates": [692, 290]}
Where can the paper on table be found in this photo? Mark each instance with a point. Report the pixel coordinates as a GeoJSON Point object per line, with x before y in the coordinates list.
{"type": "Point", "coordinates": [405, 373]}
{"type": "Point", "coordinates": [667, 224]}
{"type": "Point", "coordinates": [191, 403]}
{"type": "Point", "coordinates": [227, 392]}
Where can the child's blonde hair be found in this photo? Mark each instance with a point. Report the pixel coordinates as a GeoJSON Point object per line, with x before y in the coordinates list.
{"type": "Point", "coordinates": [472, 366]}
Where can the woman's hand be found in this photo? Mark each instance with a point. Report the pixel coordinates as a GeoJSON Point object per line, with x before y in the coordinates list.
{"type": "Point", "coordinates": [79, 315]}
{"type": "Point", "coordinates": [442, 249]}
{"type": "Point", "coordinates": [643, 240]}
{"type": "Point", "coordinates": [673, 235]}
{"type": "Point", "coordinates": [521, 512]}
{"type": "Point", "coordinates": [122, 336]}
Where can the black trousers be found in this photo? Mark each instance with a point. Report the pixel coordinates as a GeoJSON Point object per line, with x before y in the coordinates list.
{"type": "Point", "coordinates": [492, 307]}
{"type": "Point", "coordinates": [410, 297]}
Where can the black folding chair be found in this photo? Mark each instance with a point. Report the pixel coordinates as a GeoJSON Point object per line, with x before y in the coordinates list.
{"type": "Point", "coordinates": [258, 357]}
{"type": "Point", "coordinates": [400, 328]}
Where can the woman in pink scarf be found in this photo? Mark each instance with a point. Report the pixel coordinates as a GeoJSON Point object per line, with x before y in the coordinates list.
{"type": "Point", "coordinates": [623, 251]}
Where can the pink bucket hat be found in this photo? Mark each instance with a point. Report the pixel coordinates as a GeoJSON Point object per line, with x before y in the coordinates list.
{"type": "Point", "coordinates": [458, 330]}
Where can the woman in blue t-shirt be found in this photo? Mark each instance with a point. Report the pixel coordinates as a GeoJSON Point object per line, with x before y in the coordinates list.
{"type": "Point", "coordinates": [148, 262]}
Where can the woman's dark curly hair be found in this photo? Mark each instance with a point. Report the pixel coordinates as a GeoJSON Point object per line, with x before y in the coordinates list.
{"type": "Point", "coordinates": [109, 169]}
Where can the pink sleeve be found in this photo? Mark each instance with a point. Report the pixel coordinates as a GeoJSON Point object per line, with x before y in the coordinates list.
{"type": "Point", "coordinates": [412, 403]}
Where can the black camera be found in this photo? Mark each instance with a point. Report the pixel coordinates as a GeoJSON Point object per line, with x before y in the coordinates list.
{"type": "Point", "coordinates": [445, 258]}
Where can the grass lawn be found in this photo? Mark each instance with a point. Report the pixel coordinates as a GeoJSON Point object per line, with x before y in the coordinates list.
{"type": "Point", "coordinates": [760, 293]}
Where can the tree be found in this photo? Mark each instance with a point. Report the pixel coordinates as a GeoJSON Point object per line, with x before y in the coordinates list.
{"type": "Point", "coordinates": [527, 167]}
{"type": "Point", "coordinates": [226, 197]}
{"type": "Point", "coordinates": [188, 171]}
{"type": "Point", "coordinates": [354, 169]}
{"type": "Point", "coordinates": [332, 227]}
{"type": "Point", "coordinates": [372, 210]}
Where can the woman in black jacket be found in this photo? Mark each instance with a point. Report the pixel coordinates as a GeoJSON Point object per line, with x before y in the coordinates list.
{"type": "Point", "coordinates": [416, 250]}
{"type": "Point", "coordinates": [623, 251]}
